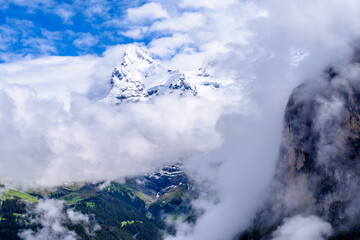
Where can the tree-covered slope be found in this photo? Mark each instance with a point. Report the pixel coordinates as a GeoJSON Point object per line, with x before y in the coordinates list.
{"type": "Point", "coordinates": [130, 210]}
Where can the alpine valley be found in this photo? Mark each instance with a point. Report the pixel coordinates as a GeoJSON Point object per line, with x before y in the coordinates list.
{"type": "Point", "coordinates": [135, 208]}
{"type": "Point", "coordinates": [316, 177]}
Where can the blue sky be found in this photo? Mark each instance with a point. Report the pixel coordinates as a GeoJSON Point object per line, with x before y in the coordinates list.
{"type": "Point", "coordinates": [65, 28]}
{"type": "Point", "coordinates": [38, 28]}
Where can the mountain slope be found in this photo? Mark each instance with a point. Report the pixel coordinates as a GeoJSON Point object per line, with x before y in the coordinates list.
{"type": "Point", "coordinates": [321, 149]}
{"type": "Point", "coordinates": [318, 171]}
{"type": "Point", "coordinates": [131, 210]}
{"type": "Point", "coordinates": [140, 77]}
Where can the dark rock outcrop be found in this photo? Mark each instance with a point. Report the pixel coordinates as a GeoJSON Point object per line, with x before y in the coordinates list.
{"type": "Point", "coordinates": [319, 158]}
{"type": "Point", "coordinates": [318, 171]}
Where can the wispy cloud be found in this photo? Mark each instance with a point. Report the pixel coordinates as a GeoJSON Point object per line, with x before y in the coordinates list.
{"type": "Point", "coordinates": [167, 46]}
{"type": "Point", "coordinates": [300, 227]}
{"type": "Point", "coordinates": [66, 12]}
{"type": "Point", "coordinates": [85, 41]}
{"type": "Point", "coordinates": [52, 218]}
{"type": "Point", "coordinates": [147, 12]}
{"type": "Point", "coordinates": [184, 23]}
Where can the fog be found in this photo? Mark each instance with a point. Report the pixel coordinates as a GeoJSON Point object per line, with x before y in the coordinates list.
{"type": "Point", "coordinates": [54, 219]}
{"type": "Point", "coordinates": [300, 227]}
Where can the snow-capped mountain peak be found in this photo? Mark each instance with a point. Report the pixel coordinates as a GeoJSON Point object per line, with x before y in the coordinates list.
{"type": "Point", "coordinates": [136, 55]}
{"type": "Point", "coordinates": [140, 77]}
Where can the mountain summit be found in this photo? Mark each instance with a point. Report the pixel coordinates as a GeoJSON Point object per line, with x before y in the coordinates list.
{"type": "Point", "coordinates": [140, 77]}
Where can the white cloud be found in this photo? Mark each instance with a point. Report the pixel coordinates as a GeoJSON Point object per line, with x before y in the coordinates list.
{"type": "Point", "coordinates": [186, 61]}
{"type": "Point", "coordinates": [43, 45]}
{"type": "Point", "coordinates": [22, 27]}
{"type": "Point", "coordinates": [51, 35]}
{"type": "Point", "coordinates": [65, 11]}
{"type": "Point", "coordinates": [328, 116]}
{"type": "Point", "coordinates": [3, 4]}
{"type": "Point", "coordinates": [148, 11]}
{"type": "Point", "coordinates": [43, 75]}
{"type": "Point", "coordinates": [7, 36]}
{"type": "Point", "coordinates": [136, 33]}
{"type": "Point", "coordinates": [206, 28]}
{"type": "Point", "coordinates": [93, 8]}
{"type": "Point", "coordinates": [212, 4]}
{"type": "Point", "coordinates": [186, 22]}
{"type": "Point", "coordinates": [93, 141]}
{"type": "Point", "coordinates": [300, 228]}
{"type": "Point", "coordinates": [16, 30]}
{"type": "Point", "coordinates": [85, 41]}
{"type": "Point", "coordinates": [50, 215]}
{"type": "Point", "coordinates": [167, 46]}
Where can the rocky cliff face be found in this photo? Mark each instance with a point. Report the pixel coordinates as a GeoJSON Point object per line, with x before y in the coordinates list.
{"type": "Point", "coordinates": [318, 171]}
{"type": "Point", "coordinates": [318, 168]}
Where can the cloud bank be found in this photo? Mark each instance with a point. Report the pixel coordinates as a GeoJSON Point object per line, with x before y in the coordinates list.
{"type": "Point", "coordinates": [93, 141]}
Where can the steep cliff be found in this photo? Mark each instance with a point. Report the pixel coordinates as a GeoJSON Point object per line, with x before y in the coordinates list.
{"type": "Point", "coordinates": [319, 157]}
{"type": "Point", "coordinates": [318, 171]}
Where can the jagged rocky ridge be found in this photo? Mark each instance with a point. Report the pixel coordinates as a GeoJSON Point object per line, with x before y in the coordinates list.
{"type": "Point", "coordinates": [318, 170]}
{"type": "Point", "coordinates": [140, 77]}
{"type": "Point", "coordinates": [158, 183]}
